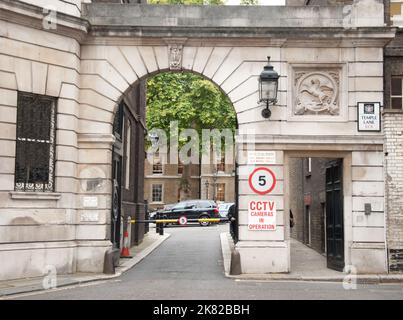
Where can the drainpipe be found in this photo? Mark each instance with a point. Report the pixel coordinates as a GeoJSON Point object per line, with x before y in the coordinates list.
{"type": "Point", "coordinates": [386, 208]}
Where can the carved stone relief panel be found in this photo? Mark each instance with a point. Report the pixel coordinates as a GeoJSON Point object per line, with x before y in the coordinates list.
{"type": "Point", "coordinates": [316, 91]}
{"type": "Point", "coordinates": [175, 56]}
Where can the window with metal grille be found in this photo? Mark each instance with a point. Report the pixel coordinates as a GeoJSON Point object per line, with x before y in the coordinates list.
{"type": "Point", "coordinates": [397, 93]}
{"type": "Point", "coordinates": [118, 122]}
{"type": "Point", "coordinates": [35, 143]}
{"type": "Point", "coordinates": [157, 192]}
{"type": "Point", "coordinates": [220, 192]}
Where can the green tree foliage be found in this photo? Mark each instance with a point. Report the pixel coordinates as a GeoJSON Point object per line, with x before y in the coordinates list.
{"type": "Point", "coordinates": [189, 99]}
{"type": "Point", "coordinates": [192, 101]}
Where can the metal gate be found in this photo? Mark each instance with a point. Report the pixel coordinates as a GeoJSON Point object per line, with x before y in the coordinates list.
{"type": "Point", "coordinates": [334, 216]}
{"type": "Point", "coordinates": [233, 211]}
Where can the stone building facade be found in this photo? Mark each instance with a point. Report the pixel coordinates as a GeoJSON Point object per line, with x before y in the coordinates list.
{"type": "Point", "coordinates": [217, 182]}
{"type": "Point", "coordinates": [83, 61]}
{"type": "Point", "coordinates": [164, 184]}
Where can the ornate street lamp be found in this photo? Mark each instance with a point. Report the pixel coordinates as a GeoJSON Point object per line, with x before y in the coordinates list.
{"type": "Point", "coordinates": [206, 184]}
{"type": "Point", "coordinates": [268, 87]}
{"type": "Point", "coordinates": [215, 183]}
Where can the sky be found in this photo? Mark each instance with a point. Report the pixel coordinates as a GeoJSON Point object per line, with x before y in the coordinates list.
{"type": "Point", "coordinates": [261, 2]}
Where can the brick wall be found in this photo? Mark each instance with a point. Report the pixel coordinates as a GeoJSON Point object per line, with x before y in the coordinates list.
{"type": "Point", "coordinates": [393, 129]}
{"type": "Point", "coordinates": [297, 198]}
{"type": "Point", "coordinates": [314, 189]}
{"type": "Point", "coordinates": [307, 190]}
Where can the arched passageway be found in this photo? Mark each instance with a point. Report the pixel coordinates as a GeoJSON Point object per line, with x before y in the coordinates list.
{"type": "Point", "coordinates": [181, 107]}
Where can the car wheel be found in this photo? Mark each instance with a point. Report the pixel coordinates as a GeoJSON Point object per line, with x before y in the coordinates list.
{"type": "Point", "coordinates": [204, 223]}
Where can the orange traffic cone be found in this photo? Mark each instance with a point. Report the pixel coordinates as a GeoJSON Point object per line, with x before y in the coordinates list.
{"type": "Point", "coordinates": [125, 253]}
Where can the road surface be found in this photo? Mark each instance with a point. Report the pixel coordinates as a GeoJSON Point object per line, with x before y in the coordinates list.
{"type": "Point", "coordinates": [189, 265]}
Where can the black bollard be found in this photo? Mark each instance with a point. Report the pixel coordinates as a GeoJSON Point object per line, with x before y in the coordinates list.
{"type": "Point", "coordinates": [157, 228]}
{"type": "Point", "coordinates": [161, 229]}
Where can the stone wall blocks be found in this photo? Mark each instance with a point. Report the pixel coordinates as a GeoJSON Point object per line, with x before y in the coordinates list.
{"type": "Point", "coordinates": [8, 97]}
{"type": "Point", "coordinates": [39, 76]}
{"type": "Point", "coordinates": [246, 235]}
{"type": "Point", "coordinates": [8, 80]}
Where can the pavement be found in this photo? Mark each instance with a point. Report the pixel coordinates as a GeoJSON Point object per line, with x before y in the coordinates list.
{"type": "Point", "coordinates": [151, 241]}
{"type": "Point", "coordinates": [306, 265]}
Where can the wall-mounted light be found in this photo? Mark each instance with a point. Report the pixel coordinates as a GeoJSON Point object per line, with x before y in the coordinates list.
{"type": "Point", "coordinates": [268, 87]}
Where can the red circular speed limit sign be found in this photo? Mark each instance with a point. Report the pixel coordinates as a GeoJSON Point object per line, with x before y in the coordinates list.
{"type": "Point", "coordinates": [262, 180]}
{"type": "Point", "coordinates": [183, 220]}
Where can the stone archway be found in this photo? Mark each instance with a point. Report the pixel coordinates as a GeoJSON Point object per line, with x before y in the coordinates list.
{"type": "Point", "coordinates": [111, 72]}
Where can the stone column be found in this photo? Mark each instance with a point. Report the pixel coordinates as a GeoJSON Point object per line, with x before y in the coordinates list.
{"type": "Point", "coordinates": [94, 200]}
{"type": "Point", "coordinates": [263, 251]}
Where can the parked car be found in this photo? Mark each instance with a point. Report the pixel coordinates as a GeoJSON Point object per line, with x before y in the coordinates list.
{"type": "Point", "coordinates": [223, 209]}
{"type": "Point", "coordinates": [153, 213]}
{"type": "Point", "coordinates": [192, 209]}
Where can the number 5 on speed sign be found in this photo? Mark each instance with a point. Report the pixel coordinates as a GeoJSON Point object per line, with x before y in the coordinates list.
{"type": "Point", "coordinates": [262, 180]}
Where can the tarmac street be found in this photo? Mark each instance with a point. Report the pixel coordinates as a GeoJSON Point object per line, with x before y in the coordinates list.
{"type": "Point", "coordinates": [189, 265]}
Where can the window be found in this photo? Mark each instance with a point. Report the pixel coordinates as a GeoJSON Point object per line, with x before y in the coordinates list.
{"type": "Point", "coordinates": [35, 143]}
{"type": "Point", "coordinates": [157, 166]}
{"type": "Point", "coordinates": [179, 206]}
{"type": "Point", "coordinates": [157, 192]}
{"type": "Point", "coordinates": [118, 122]}
{"type": "Point", "coordinates": [180, 168]}
{"type": "Point", "coordinates": [191, 205]}
{"type": "Point", "coordinates": [221, 165]}
{"type": "Point", "coordinates": [220, 192]}
{"type": "Point", "coordinates": [204, 204]}
{"type": "Point", "coordinates": [396, 8]}
{"type": "Point", "coordinates": [396, 93]}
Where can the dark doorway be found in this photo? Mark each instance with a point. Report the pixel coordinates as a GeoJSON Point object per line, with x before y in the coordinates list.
{"type": "Point", "coordinates": [128, 167]}
{"type": "Point", "coordinates": [117, 178]}
{"type": "Point", "coordinates": [316, 201]}
{"type": "Point", "coordinates": [334, 215]}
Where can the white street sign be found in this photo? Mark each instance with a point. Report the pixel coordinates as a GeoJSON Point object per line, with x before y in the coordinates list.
{"type": "Point", "coordinates": [261, 157]}
{"type": "Point", "coordinates": [262, 180]}
{"type": "Point", "coordinates": [183, 220]}
{"type": "Point", "coordinates": [262, 215]}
